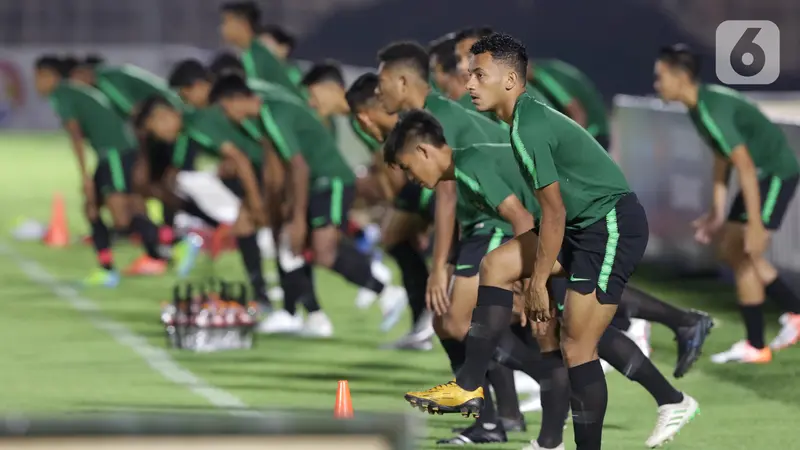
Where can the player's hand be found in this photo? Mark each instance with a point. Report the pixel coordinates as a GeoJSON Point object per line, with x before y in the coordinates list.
{"type": "Point", "coordinates": [537, 302]}
{"type": "Point", "coordinates": [519, 305]}
{"type": "Point", "coordinates": [259, 214]}
{"type": "Point", "coordinates": [436, 294]}
{"type": "Point", "coordinates": [706, 226]}
{"type": "Point", "coordinates": [756, 238]}
{"type": "Point", "coordinates": [297, 229]}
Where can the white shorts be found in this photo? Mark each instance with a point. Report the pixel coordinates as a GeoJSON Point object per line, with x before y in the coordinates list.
{"type": "Point", "coordinates": [206, 190]}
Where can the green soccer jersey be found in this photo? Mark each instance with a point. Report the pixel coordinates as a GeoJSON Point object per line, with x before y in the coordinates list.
{"type": "Point", "coordinates": [486, 175]}
{"type": "Point", "coordinates": [463, 127]}
{"type": "Point", "coordinates": [725, 119]}
{"type": "Point", "coordinates": [549, 147]}
{"type": "Point", "coordinates": [128, 85]}
{"type": "Point", "coordinates": [295, 129]}
{"type": "Point", "coordinates": [558, 76]}
{"type": "Point", "coordinates": [211, 128]}
{"type": "Point", "coordinates": [100, 125]}
{"type": "Point", "coordinates": [259, 63]}
{"type": "Point", "coordinates": [370, 142]}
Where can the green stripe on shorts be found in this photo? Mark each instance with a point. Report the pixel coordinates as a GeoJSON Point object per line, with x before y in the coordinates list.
{"type": "Point", "coordinates": [611, 250]}
{"type": "Point", "coordinates": [337, 195]}
{"type": "Point", "coordinates": [496, 240]}
{"type": "Point", "coordinates": [117, 173]}
{"type": "Point", "coordinates": [768, 206]}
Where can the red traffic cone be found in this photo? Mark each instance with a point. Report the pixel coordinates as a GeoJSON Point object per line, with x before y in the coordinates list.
{"type": "Point", "coordinates": [57, 232]}
{"type": "Point", "coordinates": [344, 405]}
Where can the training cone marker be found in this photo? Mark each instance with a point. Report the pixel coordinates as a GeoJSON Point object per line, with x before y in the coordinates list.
{"type": "Point", "coordinates": [344, 405]}
{"type": "Point", "coordinates": [57, 233]}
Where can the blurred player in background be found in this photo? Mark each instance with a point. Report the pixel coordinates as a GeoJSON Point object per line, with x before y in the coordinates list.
{"type": "Point", "coordinates": [742, 137]}
{"type": "Point", "coordinates": [89, 118]}
{"type": "Point", "coordinates": [239, 27]}
{"type": "Point", "coordinates": [282, 44]}
{"type": "Point", "coordinates": [325, 86]}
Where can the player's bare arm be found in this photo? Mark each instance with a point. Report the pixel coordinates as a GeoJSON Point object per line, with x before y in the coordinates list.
{"type": "Point", "coordinates": [551, 235]}
{"type": "Point", "coordinates": [444, 228]}
{"type": "Point", "coordinates": [515, 213]}
{"type": "Point", "coordinates": [244, 171]}
{"type": "Point", "coordinates": [576, 112]}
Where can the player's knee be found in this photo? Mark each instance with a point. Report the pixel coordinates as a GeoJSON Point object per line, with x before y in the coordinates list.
{"type": "Point", "coordinates": [577, 350]}
{"type": "Point", "coordinates": [455, 327]}
{"type": "Point", "coordinates": [324, 253]}
{"type": "Point", "coordinates": [491, 272]}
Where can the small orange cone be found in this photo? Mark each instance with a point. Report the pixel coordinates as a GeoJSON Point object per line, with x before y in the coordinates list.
{"type": "Point", "coordinates": [344, 405]}
{"type": "Point", "coordinates": [58, 232]}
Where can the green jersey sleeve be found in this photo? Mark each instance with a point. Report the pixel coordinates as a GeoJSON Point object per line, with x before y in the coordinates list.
{"type": "Point", "coordinates": [280, 130]}
{"type": "Point", "coordinates": [549, 83]}
{"type": "Point", "coordinates": [718, 121]}
{"type": "Point", "coordinates": [259, 63]}
{"type": "Point", "coordinates": [483, 177]}
{"type": "Point", "coordinates": [62, 105]}
{"type": "Point", "coordinates": [533, 145]}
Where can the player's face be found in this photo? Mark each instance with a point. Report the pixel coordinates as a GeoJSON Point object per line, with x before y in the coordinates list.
{"type": "Point", "coordinates": [83, 75]}
{"type": "Point", "coordinates": [279, 50]}
{"type": "Point", "coordinates": [197, 94]}
{"type": "Point", "coordinates": [391, 88]}
{"type": "Point", "coordinates": [324, 97]}
{"type": "Point", "coordinates": [232, 30]}
{"type": "Point", "coordinates": [240, 108]}
{"type": "Point", "coordinates": [417, 162]}
{"type": "Point", "coordinates": [165, 123]}
{"type": "Point", "coordinates": [46, 81]}
{"type": "Point", "coordinates": [439, 76]}
{"type": "Point", "coordinates": [487, 81]}
{"type": "Point", "coordinates": [668, 81]}
{"type": "Point", "coordinates": [376, 121]}
{"type": "Point", "coordinates": [462, 51]}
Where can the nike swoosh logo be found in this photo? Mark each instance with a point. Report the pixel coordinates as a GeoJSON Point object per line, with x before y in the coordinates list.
{"type": "Point", "coordinates": [464, 266]}
{"type": "Point", "coordinates": [574, 278]}
{"type": "Point", "coordinates": [318, 221]}
{"type": "Point", "coordinates": [560, 306]}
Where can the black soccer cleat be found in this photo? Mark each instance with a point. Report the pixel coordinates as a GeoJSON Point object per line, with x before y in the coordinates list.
{"type": "Point", "coordinates": [478, 433]}
{"type": "Point", "coordinates": [690, 342]}
{"type": "Point", "coordinates": [510, 425]}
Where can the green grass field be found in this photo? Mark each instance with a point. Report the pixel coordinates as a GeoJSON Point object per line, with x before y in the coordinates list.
{"type": "Point", "coordinates": [57, 359]}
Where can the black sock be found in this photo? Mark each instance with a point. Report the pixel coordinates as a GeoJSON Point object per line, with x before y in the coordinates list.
{"type": "Point", "coordinates": [168, 215]}
{"type": "Point", "coordinates": [292, 285]}
{"type": "Point", "coordinates": [355, 267]}
{"type": "Point", "coordinates": [251, 257]}
{"type": "Point", "coordinates": [101, 239]}
{"type": "Point", "coordinates": [488, 414]}
{"type": "Point", "coordinates": [310, 300]}
{"type": "Point", "coordinates": [624, 355]}
{"type": "Point", "coordinates": [525, 334]}
{"type": "Point", "coordinates": [516, 355]}
{"type": "Point", "coordinates": [753, 316]}
{"type": "Point", "coordinates": [191, 208]}
{"type": "Point", "coordinates": [588, 400]}
{"type": "Point", "coordinates": [642, 305]}
{"type": "Point", "coordinates": [783, 295]}
{"type": "Point", "coordinates": [456, 353]}
{"type": "Point", "coordinates": [414, 272]}
{"type": "Point", "coordinates": [490, 319]}
{"type": "Point", "coordinates": [502, 380]}
{"type": "Point", "coordinates": [148, 232]}
{"type": "Point", "coordinates": [555, 395]}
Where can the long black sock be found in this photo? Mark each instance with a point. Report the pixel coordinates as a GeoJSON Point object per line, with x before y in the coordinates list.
{"type": "Point", "coordinates": [191, 208]}
{"type": "Point", "coordinates": [355, 267]}
{"type": "Point", "coordinates": [753, 316]}
{"type": "Point", "coordinates": [489, 320]}
{"type": "Point", "coordinates": [148, 231]}
{"type": "Point", "coordinates": [310, 300]}
{"type": "Point", "coordinates": [783, 295]}
{"type": "Point", "coordinates": [555, 395]}
{"type": "Point", "coordinates": [644, 306]}
{"type": "Point", "coordinates": [292, 285]}
{"type": "Point", "coordinates": [414, 272]}
{"type": "Point", "coordinates": [251, 257]}
{"type": "Point", "coordinates": [456, 353]}
{"type": "Point", "coordinates": [516, 355]}
{"type": "Point", "coordinates": [624, 355]}
{"type": "Point", "coordinates": [169, 215]}
{"type": "Point", "coordinates": [505, 391]}
{"type": "Point", "coordinates": [589, 401]}
{"type": "Point", "coordinates": [101, 239]}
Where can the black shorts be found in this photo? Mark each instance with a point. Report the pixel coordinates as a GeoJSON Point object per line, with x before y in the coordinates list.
{"type": "Point", "coordinates": [776, 195]}
{"type": "Point", "coordinates": [415, 199]}
{"type": "Point", "coordinates": [235, 184]}
{"type": "Point", "coordinates": [162, 155]}
{"type": "Point", "coordinates": [331, 205]}
{"type": "Point", "coordinates": [114, 173]}
{"type": "Point", "coordinates": [469, 251]}
{"type": "Point", "coordinates": [603, 256]}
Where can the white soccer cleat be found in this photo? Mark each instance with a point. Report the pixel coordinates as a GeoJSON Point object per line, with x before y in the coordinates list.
{"type": "Point", "coordinates": [743, 352]}
{"type": "Point", "coordinates": [639, 333]}
{"type": "Point", "coordinates": [393, 301]}
{"type": "Point", "coordinates": [365, 298]}
{"type": "Point", "coordinates": [281, 322]}
{"type": "Point", "coordinates": [671, 418]}
{"type": "Point", "coordinates": [535, 446]}
{"type": "Point", "coordinates": [790, 332]}
{"type": "Point", "coordinates": [420, 338]}
{"type": "Point", "coordinates": [317, 325]}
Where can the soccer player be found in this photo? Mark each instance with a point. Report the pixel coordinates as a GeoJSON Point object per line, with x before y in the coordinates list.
{"type": "Point", "coordinates": [592, 230]}
{"type": "Point", "coordinates": [741, 137]}
{"type": "Point", "coordinates": [88, 118]}
{"type": "Point", "coordinates": [325, 86]}
{"type": "Point", "coordinates": [321, 189]}
{"type": "Point", "coordinates": [239, 26]}
{"type": "Point", "coordinates": [282, 44]}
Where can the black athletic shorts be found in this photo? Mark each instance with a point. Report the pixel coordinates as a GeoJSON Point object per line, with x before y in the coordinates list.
{"type": "Point", "coordinates": [776, 195]}
{"type": "Point", "coordinates": [162, 155]}
{"type": "Point", "coordinates": [330, 205]}
{"type": "Point", "coordinates": [415, 199]}
{"type": "Point", "coordinates": [603, 256]}
{"type": "Point", "coordinates": [235, 184]}
{"type": "Point", "coordinates": [470, 250]}
{"type": "Point", "coordinates": [114, 173]}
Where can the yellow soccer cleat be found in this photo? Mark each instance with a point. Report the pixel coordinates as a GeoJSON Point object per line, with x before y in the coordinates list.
{"type": "Point", "coordinates": [448, 398]}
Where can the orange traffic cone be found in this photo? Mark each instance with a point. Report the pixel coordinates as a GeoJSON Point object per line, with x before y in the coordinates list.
{"type": "Point", "coordinates": [57, 233]}
{"type": "Point", "coordinates": [344, 405]}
